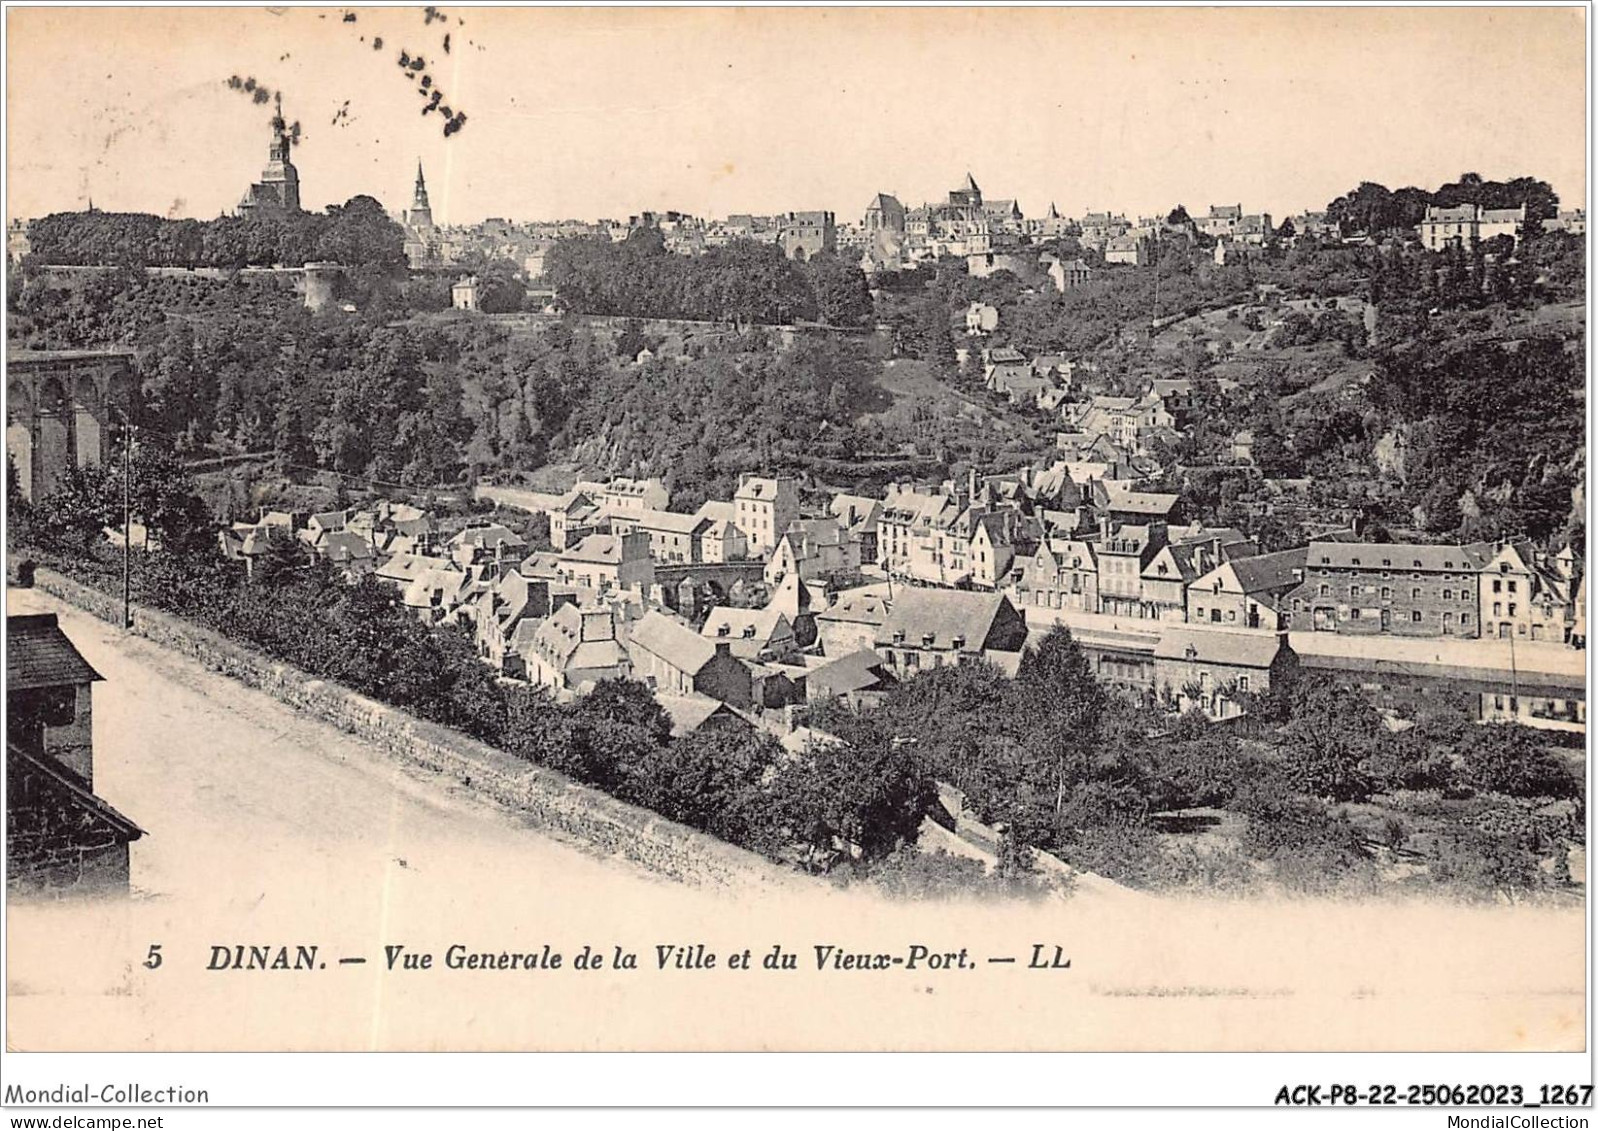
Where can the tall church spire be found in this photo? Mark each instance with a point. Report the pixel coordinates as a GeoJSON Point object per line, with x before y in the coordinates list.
{"type": "Point", "coordinates": [421, 214]}
{"type": "Point", "coordinates": [420, 200]}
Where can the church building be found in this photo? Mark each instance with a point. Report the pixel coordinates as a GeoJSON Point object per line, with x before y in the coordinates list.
{"type": "Point", "coordinates": [277, 193]}
{"type": "Point", "coordinates": [421, 237]}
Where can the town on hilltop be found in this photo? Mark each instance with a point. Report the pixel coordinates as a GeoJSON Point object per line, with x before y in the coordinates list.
{"type": "Point", "coordinates": [953, 546]}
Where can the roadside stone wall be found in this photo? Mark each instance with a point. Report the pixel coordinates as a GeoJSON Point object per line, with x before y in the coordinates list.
{"type": "Point", "coordinates": [593, 820]}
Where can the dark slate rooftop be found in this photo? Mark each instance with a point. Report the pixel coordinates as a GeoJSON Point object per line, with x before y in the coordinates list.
{"type": "Point", "coordinates": [38, 654]}
{"type": "Point", "coordinates": [76, 793]}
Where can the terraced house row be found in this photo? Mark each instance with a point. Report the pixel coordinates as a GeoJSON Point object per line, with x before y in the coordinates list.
{"type": "Point", "coordinates": [1503, 590]}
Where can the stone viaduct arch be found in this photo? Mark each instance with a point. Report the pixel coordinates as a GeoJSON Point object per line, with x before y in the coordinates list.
{"type": "Point", "coordinates": [60, 408]}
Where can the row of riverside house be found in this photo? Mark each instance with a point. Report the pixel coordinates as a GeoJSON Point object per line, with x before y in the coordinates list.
{"type": "Point", "coordinates": [874, 590]}
{"type": "Point", "coordinates": [1202, 576]}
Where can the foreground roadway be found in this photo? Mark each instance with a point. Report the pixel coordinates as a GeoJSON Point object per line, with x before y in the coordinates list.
{"type": "Point", "coordinates": [228, 782]}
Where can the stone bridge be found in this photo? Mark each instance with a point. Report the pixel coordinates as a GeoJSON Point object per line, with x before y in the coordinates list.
{"type": "Point", "coordinates": [60, 408]}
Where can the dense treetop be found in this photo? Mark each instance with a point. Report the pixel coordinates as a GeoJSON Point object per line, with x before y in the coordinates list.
{"type": "Point", "coordinates": [357, 233]}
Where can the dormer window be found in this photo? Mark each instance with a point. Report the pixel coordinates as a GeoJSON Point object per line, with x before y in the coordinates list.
{"type": "Point", "coordinates": [749, 632]}
{"type": "Point", "coordinates": [927, 639]}
{"type": "Point", "coordinates": [724, 630]}
{"type": "Point", "coordinates": [898, 636]}
{"type": "Point", "coordinates": [1386, 562]}
{"type": "Point", "coordinates": [959, 642]}
{"type": "Point", "coordinates": [1353, 561]}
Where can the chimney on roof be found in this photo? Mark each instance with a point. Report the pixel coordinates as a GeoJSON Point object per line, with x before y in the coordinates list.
{"type": "Point", "coordinates": [723, 647]}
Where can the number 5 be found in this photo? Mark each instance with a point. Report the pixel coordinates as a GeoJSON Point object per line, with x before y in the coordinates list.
{"type": "Point", "coordinates": [154, 958]}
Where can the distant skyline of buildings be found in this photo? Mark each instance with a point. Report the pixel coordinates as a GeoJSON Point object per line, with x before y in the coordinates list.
{"type": "Point", "coordinates": [1068, 202]}
{"type": "Point", "coordinates": [602, 113]}
{"type": "Point", "coordinates": [279, 189]}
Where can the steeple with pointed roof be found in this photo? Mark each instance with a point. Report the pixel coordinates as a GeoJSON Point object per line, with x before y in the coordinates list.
{"type": "Point", "coordinates": [967, 196]}
{"type": "Point", "coordinates": [421, 214]}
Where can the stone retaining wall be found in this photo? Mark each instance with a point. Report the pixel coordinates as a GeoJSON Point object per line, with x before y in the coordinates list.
{"type": "Point", "coordinates": [595, 821]}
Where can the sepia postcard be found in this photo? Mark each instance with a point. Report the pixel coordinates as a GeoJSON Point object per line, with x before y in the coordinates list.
{"type": "Point", "coordinates": [779, 530]}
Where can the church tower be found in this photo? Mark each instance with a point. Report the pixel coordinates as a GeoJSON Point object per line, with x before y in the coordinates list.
{"type": "Point", "coordinates": [278, 190]}
{"type": "Point", "coordinates": [421, 216]}
{"type": "Point", "coordinates": [421, 237]}
{"type": "Point", "coordinates": [968, 195]}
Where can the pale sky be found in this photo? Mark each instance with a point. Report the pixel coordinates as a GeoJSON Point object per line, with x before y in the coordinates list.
{"type": "Point", "coordinates": [587, 113]}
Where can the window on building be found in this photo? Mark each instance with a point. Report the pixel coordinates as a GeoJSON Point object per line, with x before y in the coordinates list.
{"type": "Point", "coordinates": [1448, 594]}
{"type": "Point", "coordinates": [1464, 618]}
{"type": "Point", "coordinates": [1498, 608]}
{"type": "Point", "coordinates": [1414, 617]}
{"type": "Point", "coordinates": [1231, 614]}
{"type": "Point", "coordinates": [1448, 618]}
{"type": "Point", "coordinates": [1414, 594]}
{"type": "Point", "coordinates": [1326, 590]}
{"type": "Point", "coordinates": [1353, 614]}
{"type": "Point", "coordinates": [1512, 586]}
{"type": "Point", "coordinates": [1242, 683]}
{"type": "Point", "coordinates": [1498, 586]}
{"type": "Point", "coordinates": [1511, 608]}
{"type": "Point", "coordinates": [1387, 592]}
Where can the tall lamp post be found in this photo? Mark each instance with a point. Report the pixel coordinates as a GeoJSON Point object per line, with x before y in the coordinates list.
{"type": "Point", "coordinates": [127, 523]}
